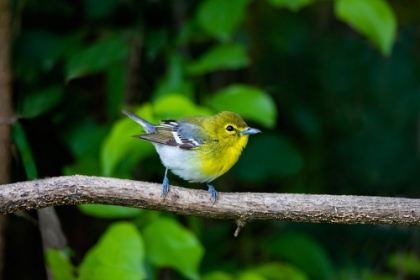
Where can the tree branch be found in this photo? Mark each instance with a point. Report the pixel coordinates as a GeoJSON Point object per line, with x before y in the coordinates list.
{"type": "Point", "coordinates": [241, 207]}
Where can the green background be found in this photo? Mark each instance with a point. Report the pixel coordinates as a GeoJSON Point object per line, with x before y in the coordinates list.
{"type": "Point", "coordinates": [333, 85]}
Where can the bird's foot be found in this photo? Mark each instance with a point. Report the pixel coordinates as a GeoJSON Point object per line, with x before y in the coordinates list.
{"type": "Point", "coordinates": [213, 193]}
{"type": "Point", "coordinates": [165, 187]}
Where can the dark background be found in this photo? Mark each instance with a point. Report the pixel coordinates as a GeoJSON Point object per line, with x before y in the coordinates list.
{"type": "Point", "coordinates": [340, 116]}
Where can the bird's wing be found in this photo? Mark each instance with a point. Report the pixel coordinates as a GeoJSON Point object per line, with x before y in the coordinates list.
{"type": "Point", "coordinates": [182, 135]}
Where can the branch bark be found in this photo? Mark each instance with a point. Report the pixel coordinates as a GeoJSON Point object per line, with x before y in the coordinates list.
{"type": "Point", "coordinates": [241, 207]}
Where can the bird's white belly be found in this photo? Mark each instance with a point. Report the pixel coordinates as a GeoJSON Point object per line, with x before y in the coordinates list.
{"type": "Point", "coordinates": [183, 163]}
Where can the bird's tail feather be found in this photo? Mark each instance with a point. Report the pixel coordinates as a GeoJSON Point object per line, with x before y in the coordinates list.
{"type": "Point", "coordinates": [148, 127]}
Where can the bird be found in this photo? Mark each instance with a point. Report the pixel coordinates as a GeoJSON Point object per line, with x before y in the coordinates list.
{"type": "Point", "coordinates": [198, 149]}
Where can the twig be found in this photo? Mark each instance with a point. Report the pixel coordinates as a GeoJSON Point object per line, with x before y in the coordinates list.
{"type": "Point", "coordinates": [241, 207]}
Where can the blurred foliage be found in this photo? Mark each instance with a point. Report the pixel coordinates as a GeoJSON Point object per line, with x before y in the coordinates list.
{"type": "Point", "coordinates": [169, 244]}
{"type": "Point", "coordinates": [405, 263]}
{"type": "Point", "coordinates": [303, 251]}
{"type": "Point", "coordinates": [119, 254]}
{"type": "Point", "coordinates": [221, 18]}
{"type": "Point", "coordinates": [333, 86]}
{"type": "Point", "coordinates": [220, 57]}
{"type": "Point", "coordinates": [374, 19]}
{"type": "Point", "coordinates": [251, 103]}
{"type": "Point", "coordinates": [59, 264]}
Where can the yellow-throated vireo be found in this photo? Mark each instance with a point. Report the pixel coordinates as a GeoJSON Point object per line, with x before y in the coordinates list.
{"type": "Point", "coordinates": [198, 149]}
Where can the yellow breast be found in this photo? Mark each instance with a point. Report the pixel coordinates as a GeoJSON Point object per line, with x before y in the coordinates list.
{"type": "Point", "coordinates": [218, 157]}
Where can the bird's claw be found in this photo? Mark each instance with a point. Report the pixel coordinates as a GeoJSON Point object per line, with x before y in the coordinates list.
{"type": "Point", "coordinates": [213, 193]}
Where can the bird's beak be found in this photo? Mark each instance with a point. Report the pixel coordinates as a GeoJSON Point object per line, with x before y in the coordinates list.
{"type": "Point", "coordinates": [250, 131]}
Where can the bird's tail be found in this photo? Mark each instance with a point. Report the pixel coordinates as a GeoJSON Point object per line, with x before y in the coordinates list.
{"type": "Point", "coordinates": [148, 127]}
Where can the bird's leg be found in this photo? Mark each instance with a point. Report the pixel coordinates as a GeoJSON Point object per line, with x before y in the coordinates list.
{"type": "Point", "coordinates": [213, 193]}
{"type": "Point", "coordinates": [165, 184]}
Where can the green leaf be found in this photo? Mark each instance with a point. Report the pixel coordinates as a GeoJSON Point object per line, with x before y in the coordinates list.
{"type": "Point", "coordinates": [220, 18]}
{"type": "Point", "coordinates": [304, 252]}
{"type": "Point", "coordinates": [19, 137]}
{"type": "Point", "coordinates": [249, 102]}
{"type": "Point", "coordinates": [374, 19]}
{"type": "Point", "coordinates": [119, 254]}
{"type": "Point", "coordinates": [293, 5]}
{"type": "Point", "coordinates": [39, 102]}
{"type": "Point", "coordinates": [96, 57]}
{"type": "Point", "coordinates": [280, 271]}
{"type": "Point", "coordinates": [60, 266]}
{"type": "Point", "coordinates": [170, 244]}
{"type": "Point", "coordinates": [220, 57]}
{"type": "Point", "coordinates": [175, 106]}
{"type": "Point", "coordinates": [109, 211]}
{"type": "Point", "coordinates": [119, 145]}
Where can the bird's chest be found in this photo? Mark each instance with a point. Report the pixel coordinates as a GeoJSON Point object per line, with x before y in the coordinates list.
{"type": "Point", "coordinates": [218, 160]}
{"type": "Point", "coordinates": [184, 163]}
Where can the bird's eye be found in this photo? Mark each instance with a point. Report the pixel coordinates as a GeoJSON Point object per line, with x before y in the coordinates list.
{"type": "Point", "coordinates": [229, 128]}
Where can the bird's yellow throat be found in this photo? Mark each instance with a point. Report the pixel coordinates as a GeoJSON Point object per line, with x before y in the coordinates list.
{"type": "Point", "coordinates": [219, 161]}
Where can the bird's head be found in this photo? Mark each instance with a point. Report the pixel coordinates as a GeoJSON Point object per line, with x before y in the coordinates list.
{"type": "Point", "coordinates": [229, 127]}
